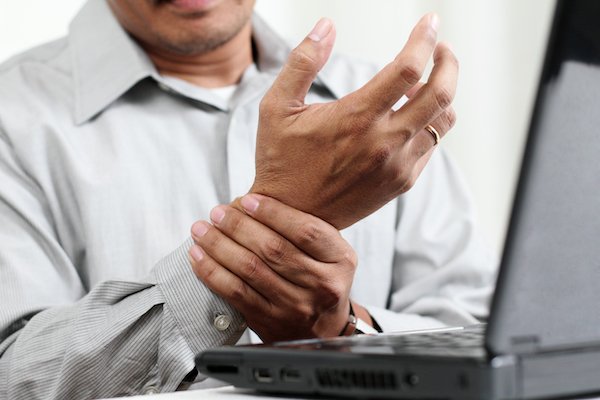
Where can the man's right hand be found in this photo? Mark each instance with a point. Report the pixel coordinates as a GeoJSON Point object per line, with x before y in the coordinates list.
{"type": "Point", "coordinates": [343, 160]}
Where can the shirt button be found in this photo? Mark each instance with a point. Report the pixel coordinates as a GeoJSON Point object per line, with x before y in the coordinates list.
{"type": "Point", "coordinates": [222, 322]}
{"type": "Point", "coordinates": [151, 390]}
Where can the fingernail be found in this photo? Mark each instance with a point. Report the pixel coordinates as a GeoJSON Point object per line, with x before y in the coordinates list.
{"type": "Point", "coordinates": [199, 229]}
{"type": "Point", "coordinates": [320, 30]}
{"type": "Point", "coordinates": [217, 214]}
{"type": "Point", "coordinates": [196, 253]}
{"type": "Point", "coordinates": [250, 203]}
{"type": "Point", "coordinates": [434, 22]}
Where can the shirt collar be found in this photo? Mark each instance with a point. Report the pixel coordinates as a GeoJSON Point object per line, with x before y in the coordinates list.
{"type": "Point", "coordinates": [107, 62]}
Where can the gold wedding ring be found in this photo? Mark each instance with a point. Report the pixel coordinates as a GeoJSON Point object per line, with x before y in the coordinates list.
{"type": "Point", "coordinates": [434, 133]}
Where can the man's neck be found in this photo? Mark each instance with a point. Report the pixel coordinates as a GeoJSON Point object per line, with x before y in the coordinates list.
{"type": "Point", "coordinates": [223, 66]}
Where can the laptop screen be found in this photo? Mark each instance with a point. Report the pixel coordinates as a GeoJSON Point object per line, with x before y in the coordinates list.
{"type": "Point", "coordinates": [548, 293]}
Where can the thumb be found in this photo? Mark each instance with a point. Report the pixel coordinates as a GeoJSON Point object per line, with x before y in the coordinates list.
{"type": "Point", "coordinates": [303, 64]}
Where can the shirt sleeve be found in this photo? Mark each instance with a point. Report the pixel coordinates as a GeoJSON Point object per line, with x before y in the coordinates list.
{"type": "Point", "coordinates": [444, 271]}
{"type": "Point", "coordinates": [60, 341]}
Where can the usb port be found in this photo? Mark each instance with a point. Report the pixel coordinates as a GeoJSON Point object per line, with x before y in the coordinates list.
{"type": "Point", "coordinates": [262, 375]}
{"type": "Point", "coordinates": [290, 375]}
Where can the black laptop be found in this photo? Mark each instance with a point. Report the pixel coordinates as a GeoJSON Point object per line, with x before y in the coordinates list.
{"type": "Point", "coordinates": [542, 339]}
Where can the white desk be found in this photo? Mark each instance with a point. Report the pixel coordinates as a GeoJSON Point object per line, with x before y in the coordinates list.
{"type": "Point", "coordinates": [226, 393]}
{"type": "Point", "coordinates": [222, 393]}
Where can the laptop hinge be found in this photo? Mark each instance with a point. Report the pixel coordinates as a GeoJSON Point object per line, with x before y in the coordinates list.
{"type": "Point", "coordinates": [525, 344]}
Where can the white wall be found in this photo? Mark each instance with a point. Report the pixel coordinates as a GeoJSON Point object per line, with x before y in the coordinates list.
{"type": "Point", "coordinates": [499, 43]}
{"type": "Point", "coordinates": [24, 24]}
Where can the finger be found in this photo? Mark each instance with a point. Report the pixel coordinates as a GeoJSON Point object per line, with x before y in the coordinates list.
{"type": "Point", "coordinates": [302, 66]}
{"type": "Point", "coordinates": [227, 285]}
{"type": "Point", "coordinates": [432, 98]}
{"type": "Point", "coordinates": [240, 261]}
{"type": "Point", "coordinates": [396, 78]}
{"type": "Point", "coordinates": [413, 90]}
{"type": "Point", "coordinates": [310, 234]}
{"type": "Point", "coordinates": [425, 141]}
{"type": "Point", "coordinates": [285, 259]}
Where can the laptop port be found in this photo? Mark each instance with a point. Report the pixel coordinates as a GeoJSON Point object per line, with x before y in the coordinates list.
{"type": "Point", "coordinates": [222, 369]}
{"type": "Point", "coordinates": [290, 375]}
{"type": "Point", "coordinates": [411, 379]}
{"type": "Point", "coordinates": [262, 375]}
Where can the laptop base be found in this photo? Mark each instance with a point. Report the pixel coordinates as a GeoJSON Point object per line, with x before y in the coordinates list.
{"type": "Point", "coordinates": [352, 375]}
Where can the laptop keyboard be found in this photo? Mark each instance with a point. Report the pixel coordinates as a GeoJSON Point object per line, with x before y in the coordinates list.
{"type": "Point", "coordinates": [467, 342]}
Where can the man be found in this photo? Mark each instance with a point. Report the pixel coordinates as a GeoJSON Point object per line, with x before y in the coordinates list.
{"type": "Point", "coordinates": [114, 140]}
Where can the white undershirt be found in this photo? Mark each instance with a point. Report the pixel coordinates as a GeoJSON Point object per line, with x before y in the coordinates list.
{"type": "Point", "coordinates": [225, 92]}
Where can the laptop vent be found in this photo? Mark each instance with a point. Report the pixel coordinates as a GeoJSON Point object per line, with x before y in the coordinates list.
{"type": "Point", "coordinates": [351, 378]}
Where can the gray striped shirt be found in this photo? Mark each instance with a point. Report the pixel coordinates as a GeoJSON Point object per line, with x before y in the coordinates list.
{"type": "Point", "coordinates": [105, 165]}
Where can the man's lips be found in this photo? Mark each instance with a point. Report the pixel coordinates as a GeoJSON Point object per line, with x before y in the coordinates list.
{"type": "Point", "coordinates": [191, 5]}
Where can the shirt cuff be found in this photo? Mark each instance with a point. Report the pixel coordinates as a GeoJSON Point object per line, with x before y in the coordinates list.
{"type": "Point", "coordinates": [205, 319]}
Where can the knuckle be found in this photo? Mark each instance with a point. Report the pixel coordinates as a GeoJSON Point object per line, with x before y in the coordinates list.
{"type": "Point", "coordinates": [442, 96]}
{"type": "Point", "coordinates": [211, 240]}
{"type": "Point", "coordinates": [305, 312]}
{"type": "Point", "coordinates": [330, 293]}
{"type": "Point", "coordinates": [300, 60]}
{"type": "Point", "coordinates": [235, 223]}
{"type": "Point", "coordinates": [274, 250]}
{"type": "Point", "coordinates": [350, 259]}
{"type": "Point", "coordinates": [401, 176]}
{"type": "Point", "coordinates": [410, 72]}
{"type": "Point", "coordinates": [450, 117]}
{"type": "Point", "coordinates": [266, 106]}
{"type": "Point", "coordinates": [300, 267]}
{"type": "Point", "coordinates": [404, 133]}
{"type": "Point", "coordinates": [409, 181]}
{"type": "Point", "coordinates": [309, 234]}
{"type": "Point", "coordinates": [358, 116]}
{"type": "Point", "coordinates": [421, 151]}
{"type": "Point", "coordinates": [206, 273]}
{"type": "Point", "coordinates": [238, 292]}
{"type": "Point", "coordinates": [380, 156]}
{"type": "Point", "coordinates": [452, 59]}
{"type": "Point", "coordinates": [249, 267]}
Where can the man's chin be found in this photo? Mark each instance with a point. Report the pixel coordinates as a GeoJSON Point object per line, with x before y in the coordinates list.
{"type": "Point", "coordinates": [194, 40]}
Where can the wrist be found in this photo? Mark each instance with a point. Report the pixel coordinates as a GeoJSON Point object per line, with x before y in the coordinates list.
{"type": "Point", "coordinates": [349, 328]}
{"type": "Point", "coordinates": [359, 321]}
{"type": "Point", "coordinates": [362, 313]}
